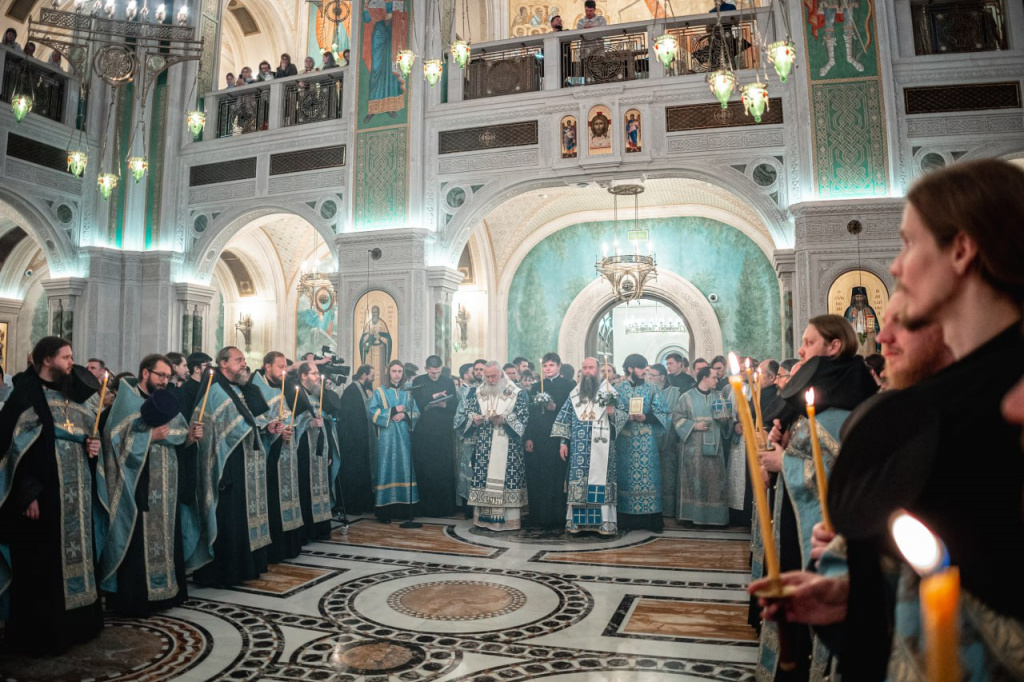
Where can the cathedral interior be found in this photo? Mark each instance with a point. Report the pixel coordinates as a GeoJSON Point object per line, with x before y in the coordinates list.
{"type": "Point", "coordinates": [455, 169]}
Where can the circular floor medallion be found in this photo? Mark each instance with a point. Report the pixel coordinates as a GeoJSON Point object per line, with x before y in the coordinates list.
{"type": "Point", "coordinates": [378, 656]}
{"type": "Point", "coordinates": [457, 600]}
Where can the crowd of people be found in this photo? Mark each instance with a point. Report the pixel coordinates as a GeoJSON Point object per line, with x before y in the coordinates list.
{"type": "Point", "coordinates": [285, 68]}
{"type": "Point", "coordinates": [127, 485]}
{"type": "Point", "coordinates": [10, 41]}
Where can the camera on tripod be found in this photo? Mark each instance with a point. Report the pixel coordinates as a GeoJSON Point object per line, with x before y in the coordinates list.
{"type": "Point", "coordinates": [335, 369]}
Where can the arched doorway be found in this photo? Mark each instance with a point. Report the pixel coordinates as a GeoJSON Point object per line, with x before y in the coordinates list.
{"type": "Point", "coordinates": [651, 327]}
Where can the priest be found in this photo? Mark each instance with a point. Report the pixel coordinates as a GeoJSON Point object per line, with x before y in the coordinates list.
{"type": "Point", "coordinates": [497, 414]}
{"type": "Point", "coordinates": [358, 443]}
{"type": "Point", "coordinates": [234, 527]}
{"type": "Point", "coordinates": [585, 430]}
{"type": "Point", "coordinates": [142, 560]}
{"type": "Point", "coordinates": [698, 421]}
{"type": "Point", "coordinates": [545, 469]}
{"type": "Point", "coordinates": [394, 412]}
{"type": "Point", "coordinates": [636, 445]}
{"type": "Point", "coordinates": [283, 508]}
{"type": "Point", "coordinates": [433, 441]}
{"type": "Point", "coordinates": [314, 454]}
{"type": "Point", "coordinates": [45, 492]}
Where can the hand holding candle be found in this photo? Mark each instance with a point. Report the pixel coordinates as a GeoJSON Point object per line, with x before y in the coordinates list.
{"type": "Point", "coordinates": [202, 410]}
{"type": "Point", "coordinates": [819, 462]}
{"type": "Point", "coordinates": [99, 408]}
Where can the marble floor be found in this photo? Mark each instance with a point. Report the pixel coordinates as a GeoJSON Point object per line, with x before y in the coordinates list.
{"type": "Point", "coordinates": [450, 602]}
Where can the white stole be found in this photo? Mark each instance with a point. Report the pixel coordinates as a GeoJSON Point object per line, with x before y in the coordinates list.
{"type": "Point", "coordinates": [600, 436]}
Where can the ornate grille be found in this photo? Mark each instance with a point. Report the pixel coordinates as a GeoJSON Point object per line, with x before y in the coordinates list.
{"type": "Point", "coordinates": [605, 60]}
{"type": "Point", "coordinates": [488, 137]}
{"type": "Point", "coordinates": [701, 48]}
{"type": "Point", "coordinates": [228, 171]}
{"type": "Point", "coordinates": [23, 148]}
{"type": "Point", "coordinates": [46, 87]}
{"type": "Point", "coordinates": [964, 26]}
{"type": "Point", "coordinates": [963, 98]}
{"type": "Point", "coordinates": [312, 100]}
{"type": "Point", "coordinates": [20, 9]}
{"type": "Point", "coordinates": [504, 73]}
{"type": "Point", "coordinates": [243, 113]}
{"type": "Point", "coordinates": [704, 116]}
{"type": "Point", "coordinates": [307, 160]}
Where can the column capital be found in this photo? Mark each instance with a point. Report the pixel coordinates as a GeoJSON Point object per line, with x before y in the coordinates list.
{"type": "Point", "coordinates": [784, 261]}
{"type": "Point", "coordinates": [193, 294]}
{"type": "Point", "coordinates": [64, 287]}
{"type": "Point", "coordinates": [444, 276]}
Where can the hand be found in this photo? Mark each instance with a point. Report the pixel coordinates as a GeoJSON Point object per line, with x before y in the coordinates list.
{"type": "Point", "coordinates": [275, 427]}
{"type": "Point", "coordinates": [563, 451]}
{"type": "Point", "coordinates": [738, 429]}
{"type": "Point", "coordinates": [92, 447]}
{"type": "Point", "coordinates": [610, 409]}
{"type": "Point", "coordinates": [108, 399]}
{"type": "Point", "coordinates": [498, 420]}
{"type": "Point", "coordinates": [398, 417]}
{"type": "Point", "coordinates": [820, 539]}
{"type": "Point", "coordinates": [400, 408]}
{"type": "Point", "coordinates": [32, 511]}
{"type": "Point", "coordinates": [638, 417]}
{"type": "Point", "coordinates": [195, 434]}
{"type": "Point", "coordinates": [529, 446]}
{"type": "Point", "coordinates": [771, 460]}
{"type": "Point", "coordinates": [817, 600]}
{"type": "Point", "coordinates": [160, 432]}
{"type": "Point", "coordinates": [478, 419]}
{"type": "Point", "coordinates": [702, 426]}
{"type": "Point", "coordinates": [287, 433]}
{"type": "Point", "coordinates": [317, 423]}
{"type": "Point", "coordinates": [775, 435]}
{"type": "Point", "coordinates": [551, 407]}
{"type": "Point", "coordinates": [766, 477]}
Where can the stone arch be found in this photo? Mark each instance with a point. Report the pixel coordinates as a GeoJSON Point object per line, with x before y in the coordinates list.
{"type": "Point", "coordinates": [60, 257]}
{"type": "Point", "coordinates": [199, 262]}
{"type": "Point", "coordinates": [453, 237]}
{"type": "Point", "coordinates": [670, 287]}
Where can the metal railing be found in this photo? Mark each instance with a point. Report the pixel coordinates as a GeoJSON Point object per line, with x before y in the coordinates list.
{"type": "Point", "coordinates": [504, 72]}
{"type": "Point", "coordinates": [312, 99]}
{"type": "Point", "coordinates": [945, 28]}
{"type": "Point", "coordinates": [47, 89]}
{"type": "Point", "coordinates": [702, 48]}
{"type": "Point", "coordinates": [243, 113]}
{"type": "Point", "coordinates": [608, 59]}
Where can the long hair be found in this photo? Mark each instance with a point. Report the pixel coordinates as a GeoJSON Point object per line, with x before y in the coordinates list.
{"type": "Point", "coordinates": [984, 200]}
{"type": "Point", "coordinates": [387, 379]}
{"type": "Point", "coordinates": [46, 348]}
{"type": "Point", "coordinates": [832, 327]}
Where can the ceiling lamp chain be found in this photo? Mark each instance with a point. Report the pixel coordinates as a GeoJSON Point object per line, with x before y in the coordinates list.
{"type": "Point", "coordinates": [628, 273]}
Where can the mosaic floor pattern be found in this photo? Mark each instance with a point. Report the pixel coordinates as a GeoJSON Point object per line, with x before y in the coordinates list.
{"type": "Point", "coordinates": [445, 602]}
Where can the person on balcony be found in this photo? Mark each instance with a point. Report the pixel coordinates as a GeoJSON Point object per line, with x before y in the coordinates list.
{"type": "Point", "coordinates": [308, 65]}
{"type": "Point", "coordinates": [556, 23]}
{"type": "Point", "coordinates": [55, 61]}
{"type": "Point", "coordinates": [245, 77]}
{"type": "Point", "coordinates": [590, 18]}
{"type": "Point", "coordinates": [286, 68]}
{"type": "Point", "coordinates": [328, 61]}
{"type": "Point", "coordinates": [229, 81]}
{"type": "Point", "coordinates": [30, 49]}
{"type": "Point", "coordinates": [265, 73]}
{"type": "Point", "coordinates": [11, 40]}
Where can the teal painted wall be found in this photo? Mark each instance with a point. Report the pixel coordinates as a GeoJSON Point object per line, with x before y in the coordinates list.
{"type": "Point", "coordinates": [713, 256]}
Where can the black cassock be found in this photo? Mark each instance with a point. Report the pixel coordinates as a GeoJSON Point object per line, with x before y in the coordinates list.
{"type": "Point", "coordinates": [311, 531]}
{"type": "Point", "coordinates": [433, 445]}
{"type": "Point", "coordinates": [355, 433]}
{"type": "Point", "coordinates": [545, 471]}
{"type": "Point", "coordinates": [39, 623]}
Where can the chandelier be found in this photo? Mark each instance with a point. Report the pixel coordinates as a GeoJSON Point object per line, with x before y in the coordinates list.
{"type": "Point", "coordinates": [628, 272]}
{"type": "Point", "coordinates": [316, 286]}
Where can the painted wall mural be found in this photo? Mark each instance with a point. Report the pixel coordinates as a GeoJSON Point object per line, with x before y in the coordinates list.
{"type": "Point", "coordinates": [599, 130]}
{"type": "Point", "coordinates": [382, 117]}
{"type": "Point", "coordinates": [848, 120]}
{"type": "Point", "coordinates": [631, 125]}
{"type": "Point", "coordinates": [713, 256]}
{"type": "Point", "coordinates": [569, 137]}
{"type": "Point", "coordinates": [313, 329]}
{"type": "Point", "coordinates": [533, 17]}
{"type": "Point", "coordinates": [375, 332]}
{"type": "Point", "coordinates": [330, 29]}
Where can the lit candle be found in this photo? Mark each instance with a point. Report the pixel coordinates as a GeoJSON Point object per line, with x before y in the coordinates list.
{"type": "Point", "coordinates": [322, 382]}
{"type": "Point", "coordinates": [819, 462]}
{"type": "Point", "coordinates": [940, 597]}
{"type": "Point", "coordinates": [771, 557]}
{"type": "Point", "coordinates": [280, 412]}
{"type": "Point", "coordinates": [295, 404]}
{"type": "Point", "coordinates": [202, 410]}
{"type": "Point", "coordinates": [542, 375]}
{"type": "Point", "coordinates": [759, 419]}
{"type": "Point", "coordinates": [99, 408]}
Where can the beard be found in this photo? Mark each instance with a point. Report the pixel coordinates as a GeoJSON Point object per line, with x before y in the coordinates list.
{"type": "Point", "coordinates": [492, 390]}
{"type": "Point", "coordinates": [637, 380]}
{"type": "Point", "coordinates": [589, 385]}
{"type": "Point", "coordinates": [149, 388]}
{"type": "Point", "coordinates": [367, 384]}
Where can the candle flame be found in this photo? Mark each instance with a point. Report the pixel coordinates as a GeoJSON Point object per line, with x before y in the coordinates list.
{"type": "Point", "coordinates": [809, 397]}
{"type": "Point", "coordinates": [919, 546]}
{"type": "Point", "coordinates": [734, 363]}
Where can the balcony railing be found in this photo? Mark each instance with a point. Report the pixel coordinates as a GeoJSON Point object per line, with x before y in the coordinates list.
{"type": "Point", "coordinates": [280, 103]}
{"type": "Point", "coordinates": [612, 54]}
{"type": "Point", "coordinates": [945, 28]}
{"type": "Point", "coordinates": [504, 72]}
{"type": "Point", "coordinates": [47, 86]}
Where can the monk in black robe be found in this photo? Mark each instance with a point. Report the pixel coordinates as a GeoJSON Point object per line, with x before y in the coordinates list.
{"type": "Point", "coordinates": [358, 447]}
{"type": "Point", "coordinates": [545, 470]}
{"type": "Point", "coordinates": [433, 440]}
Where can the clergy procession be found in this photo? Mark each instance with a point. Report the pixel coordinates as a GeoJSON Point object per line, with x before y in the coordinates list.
{"type": "Point", "coordinates": [116, 493]}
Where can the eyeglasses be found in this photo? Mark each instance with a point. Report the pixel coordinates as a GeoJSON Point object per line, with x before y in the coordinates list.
{"type": "Point", "coordinates": [162, 375]}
